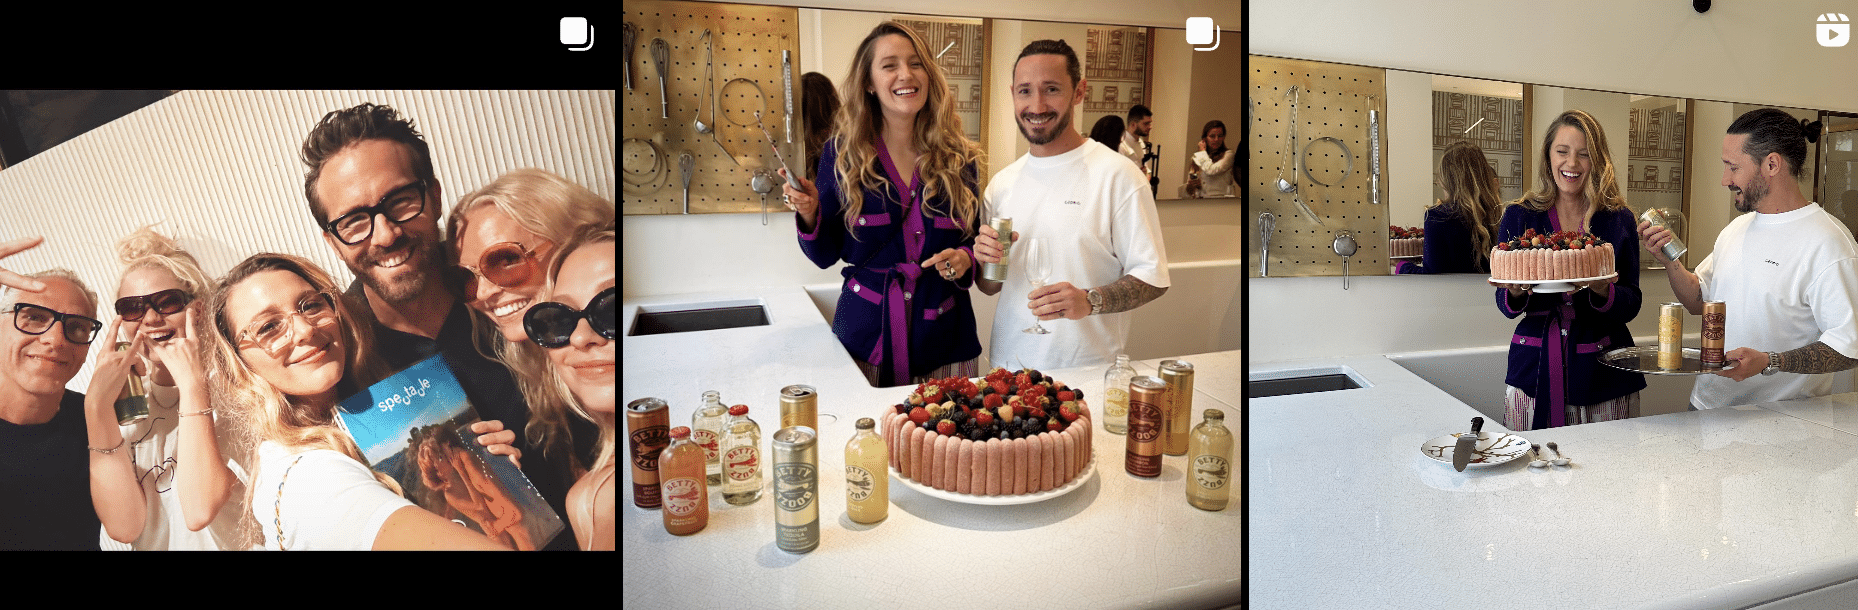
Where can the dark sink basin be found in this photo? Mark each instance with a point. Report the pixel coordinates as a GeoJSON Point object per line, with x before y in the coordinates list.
{"type": "Point", "coordinates": [1303, 382]}
{"type": "Point", "coordinates": [690, 320]}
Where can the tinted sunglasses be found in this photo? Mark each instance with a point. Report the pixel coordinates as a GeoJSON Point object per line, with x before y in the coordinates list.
{"type": "Point", "coordinates": [168, 302]}
{"type": "Point", "coordinates": [506, 264]}
{"type": "Point", "coordinates": [551, 324]}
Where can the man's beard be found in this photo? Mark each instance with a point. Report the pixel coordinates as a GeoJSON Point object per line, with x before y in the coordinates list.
{"type": "Point", "coordinates": [405, 287]}
{"type": "Point", "coordinates": [1751, 196]}
{"type": "Point", "coordinates": [1057, 128]}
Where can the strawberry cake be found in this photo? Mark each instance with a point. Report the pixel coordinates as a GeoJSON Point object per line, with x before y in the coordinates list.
{"type": "Point", "coordinates": [1005, 434]}
{"type": "Point", "coordinates": [1557, 256]}
{"type": "Point", "coordinates": [1406, 241]}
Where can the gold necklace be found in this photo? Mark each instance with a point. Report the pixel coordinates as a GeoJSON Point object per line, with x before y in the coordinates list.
{"type": "Point", "coordinates": [157, 401]}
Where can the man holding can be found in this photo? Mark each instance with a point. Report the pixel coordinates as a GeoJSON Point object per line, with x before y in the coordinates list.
{"type": "Point", "coordinates": [1092, 212]}
{"type": "Point", "coordinates": [1786, 274]}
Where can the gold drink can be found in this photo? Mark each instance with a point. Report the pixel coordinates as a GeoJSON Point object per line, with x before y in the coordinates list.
{"type": "Point", "coordinates": [1715, 316]}
{"type": "Point", "coordinates": [796, 489]}
{"type": "Point", "coordinates": [1671, 336]}
{"type": "Point", "coordinates": [648, 425]}
{"type": "Point", "coordinates": [799, 406]}
{"type": "Point", "coordinates": [1177, 412]}
{"type": "Point", "coordinates": [1003, 226]}
{"type": "Point", "coordinates": [1146, 397]}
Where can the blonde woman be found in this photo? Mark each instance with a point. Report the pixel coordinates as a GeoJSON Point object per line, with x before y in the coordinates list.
{"type": "Point", "coordinates": [898, 199]}
{"type": "Point", "coordinates": [498, 238]}
{"type": "Point", "coordinates": [1458, 227]}
{"type": "Point", "coordinates": [184, 476]}
{"type": "Point", "coordinates": [287, 349]}
{"type": "Point", "coordinates": [1555, 376]}
{"type": "Point", "coordinates": [577, 327]}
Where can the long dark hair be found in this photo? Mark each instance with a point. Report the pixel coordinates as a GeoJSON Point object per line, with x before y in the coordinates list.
{"type": "Point", "coordinates": [819, 101]}
{"type": "Point", "coordinates": [1108, 130]}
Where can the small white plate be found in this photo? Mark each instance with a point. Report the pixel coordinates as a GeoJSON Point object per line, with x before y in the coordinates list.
{"type": "Point", "coordinates": [1493, 448]}
{"type": "Point", "coordinates": [1082, 477]}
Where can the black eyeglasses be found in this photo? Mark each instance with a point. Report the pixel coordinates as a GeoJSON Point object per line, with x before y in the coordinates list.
{"type": "Point", "coordinates": [167, 302]}
{"type": "Point", "coordinates": [399, 205]}
{"type": "Point", "coordinates": [35, 320]}
{"type": "Point", "coordinates": [551, 324]}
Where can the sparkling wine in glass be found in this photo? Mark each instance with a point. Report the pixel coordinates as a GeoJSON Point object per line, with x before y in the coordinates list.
{"type": "Point", "coordinates": [1038, 265]}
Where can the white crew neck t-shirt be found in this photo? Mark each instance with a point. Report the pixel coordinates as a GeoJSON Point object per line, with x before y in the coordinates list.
{"type": "Point", "coordinates": [327, 502]}
{"type": "Point", "coordinates": [1092, 210]}
{"type": "Point", "coordinates": [155, 446]}
{"type": "Point", "coordinates": [1786, 281]}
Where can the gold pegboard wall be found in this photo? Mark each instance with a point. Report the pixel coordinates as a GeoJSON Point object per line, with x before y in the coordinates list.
{"type": "Point", "coordinates": [746, 41]}
{"type": "Point", "coordinates": [1333, 101]}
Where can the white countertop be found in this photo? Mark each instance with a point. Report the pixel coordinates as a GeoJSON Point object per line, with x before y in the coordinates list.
{"type": "Point", "coordinates": [1116, 542]}
{"type": "Point", "coordinates": [1724, 508]}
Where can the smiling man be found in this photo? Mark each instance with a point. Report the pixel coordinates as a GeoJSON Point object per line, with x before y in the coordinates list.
{"type": "Point", "coordinates": [372, 190]}
{"type": "Point", "coordinates": [45, 470]}
{"type": "Point", "coordinates": [1092, 213]}
{"type": "Point", "coordinates": [1787, 273]}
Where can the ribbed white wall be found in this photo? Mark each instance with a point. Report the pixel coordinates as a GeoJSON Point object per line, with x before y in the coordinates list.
{"type": "Point", "coordinates": [220, 171]}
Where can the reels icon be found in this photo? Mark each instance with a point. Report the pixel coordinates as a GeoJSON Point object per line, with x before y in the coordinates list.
{"type": "Point", "coordinates": [1834, 30]}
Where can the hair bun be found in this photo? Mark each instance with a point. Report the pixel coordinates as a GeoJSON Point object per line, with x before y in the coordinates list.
{"type": "Point", "coordinates": [1813, 130]}
{"type": "Point", "coordinates": [145, 242]}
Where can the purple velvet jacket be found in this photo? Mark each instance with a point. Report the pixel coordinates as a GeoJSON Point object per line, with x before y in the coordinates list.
{"type": "Point", "coordinates": [1555, 353]}
{"type": "Point", "coordinates": [892, 312]}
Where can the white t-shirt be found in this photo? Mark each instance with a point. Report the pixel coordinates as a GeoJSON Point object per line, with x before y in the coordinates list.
{"type": "Point", "coordinates": [154, 445]}
{"type": "Point", "coordinates": [1216, 176]}
{"type": "Point", "coordinates": [328, 502]}
{"type": "Point", "coordinates": [1786, 281]}
{"type": "Point", "coordinates": [1132, 148]}
{"type": "Point", "coordinates": [1094, 212]}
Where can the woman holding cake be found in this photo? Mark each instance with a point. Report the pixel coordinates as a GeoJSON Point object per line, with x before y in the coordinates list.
{"type": "Point", "coordinates": [1458, 227]}
{"type": "Point", "coordinates": [1555, 354]}
{"type": "Point", "coordinates": [898, 198]}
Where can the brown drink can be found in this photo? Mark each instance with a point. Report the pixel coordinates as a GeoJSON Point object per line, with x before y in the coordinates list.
{"type": "Point", "coordinates": [799, 406]}
{"type": "Point", "coordinates": [648, 424]}
{"type": "Point", "coordinates": [1147, 395]}
{"type": "Point", "coordinates": [1177, 413]}
{"type": "Point", "coordinates": [1715, 317]}
{"type": "Point", "coordinates": [796, 489]}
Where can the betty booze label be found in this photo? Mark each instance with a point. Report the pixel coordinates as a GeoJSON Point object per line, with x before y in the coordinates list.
{"type": "Point", "coordinates": [1144, 421]}
{"type": "Point", "coordinates": [646, 443]}
{"type": "Point", "coordinates": [681, 496]}
{"type": "Point", "coordinates": [1210, 471]}
{"type": "Point", "coordinates": [796, 490]}
{"type": "Point", "coordinates": [858, 482]}
{"type": "Point", "coordinates": [740, 463]}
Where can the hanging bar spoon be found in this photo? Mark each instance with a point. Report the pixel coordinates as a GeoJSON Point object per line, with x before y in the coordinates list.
{"type": "Point", "coordinates": [709, 62]}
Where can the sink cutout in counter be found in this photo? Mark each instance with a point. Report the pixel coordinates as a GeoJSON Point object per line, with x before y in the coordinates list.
{"type": "Point", "coordinates": [664, 319]}
{"type": "Point", "coordinates": [1307, 381]}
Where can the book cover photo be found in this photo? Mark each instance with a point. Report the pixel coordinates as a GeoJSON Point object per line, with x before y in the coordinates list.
{"type": "Point", "coordinates": [415, 426]}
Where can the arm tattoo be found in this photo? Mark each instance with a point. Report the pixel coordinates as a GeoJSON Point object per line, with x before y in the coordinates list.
{"type": "Point", "coordinates": [1127, 293]}
{"type": "Point", "coordinates": [1816, 358]}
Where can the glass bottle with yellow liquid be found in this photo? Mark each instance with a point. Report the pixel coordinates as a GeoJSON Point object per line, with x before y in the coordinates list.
{"type": "Point", "coordinates": [1116, 396]}
{"type": "Point", "coordinates": [741, 455]}
{"type": "Point", "coordinates": [1209, 455]}
{"type": "Point", "coordinates": [867, 478]}
{"type": "Point", "coordinates": [706, 429]}
{"type": "Point", "coordinates": [680, 474]}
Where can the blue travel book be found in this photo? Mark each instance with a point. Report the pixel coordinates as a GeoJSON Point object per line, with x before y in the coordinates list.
{"type": "Point", "coordinates": [415, 426]}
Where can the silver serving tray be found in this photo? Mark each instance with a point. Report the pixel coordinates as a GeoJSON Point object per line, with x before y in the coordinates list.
{"type": "Point", "coordinates": [1644, 359]}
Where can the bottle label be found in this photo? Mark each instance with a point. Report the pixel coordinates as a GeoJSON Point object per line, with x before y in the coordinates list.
{"type": "Point", "coordinates": [706, 439]}
{"type": "Point", "coordinates": [742, 462]}
{"type": "Point", "coordinates": [795, 492]}
{"type": "Point", "coordinates": [1117, 403]}
{"type": "Point", "coordinates": [1210, 472]}
{"type": "Point", "coordinates": [646, 443]}
{"type": "Point", "coordinates": [682, 496]}
{"type": "Point", "coordinates": [858, 483]}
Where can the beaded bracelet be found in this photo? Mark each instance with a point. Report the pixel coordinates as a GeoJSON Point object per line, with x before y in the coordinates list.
{"type": "Point", "coordinates": [206, 411]}
{"type": "Point", "coordinates": [278, 507]}
{"type": "Point", "coordinates": [119, 445]}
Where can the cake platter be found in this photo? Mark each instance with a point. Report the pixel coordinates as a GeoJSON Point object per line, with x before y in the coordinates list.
{"type": "Point", "coordinates": [1493, 448]}
{"type": "Point", "coordinates": [1644, 359]}
{"type": "Point", "coordinates": [1003, 500]}
{"type": "Point", "coordinates": [1553, 285]}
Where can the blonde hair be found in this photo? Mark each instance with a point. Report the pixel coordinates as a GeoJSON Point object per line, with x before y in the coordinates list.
{"type": "Point", "coordinates": [553, 207]}
{"type": "Point", "coordinates": [1601, 187]}
{"type": "Point", "coordinates": [606, 421]}
{"type": "Point", "coordinates": [146, 249]}
{"type": "Point", "coordinates": [1472, 191]}
{"type": "Point", "coordinates": [262, 411]}
{"type": "Point", "coordinates": [945, 152]}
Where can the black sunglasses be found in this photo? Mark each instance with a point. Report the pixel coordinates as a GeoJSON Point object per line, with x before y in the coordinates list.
{"type": "Point", "coordinates": [35, 320]}
{"type": "Point", "coordinates": [399, 205]}
{"type": "Point", "coordinates": [551, 324]}
{"type": "Point", "coordinates": [167, 302]}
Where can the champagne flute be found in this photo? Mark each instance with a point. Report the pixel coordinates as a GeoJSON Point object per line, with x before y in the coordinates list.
{"type": "Point", "coordinates": [1038, 266]}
